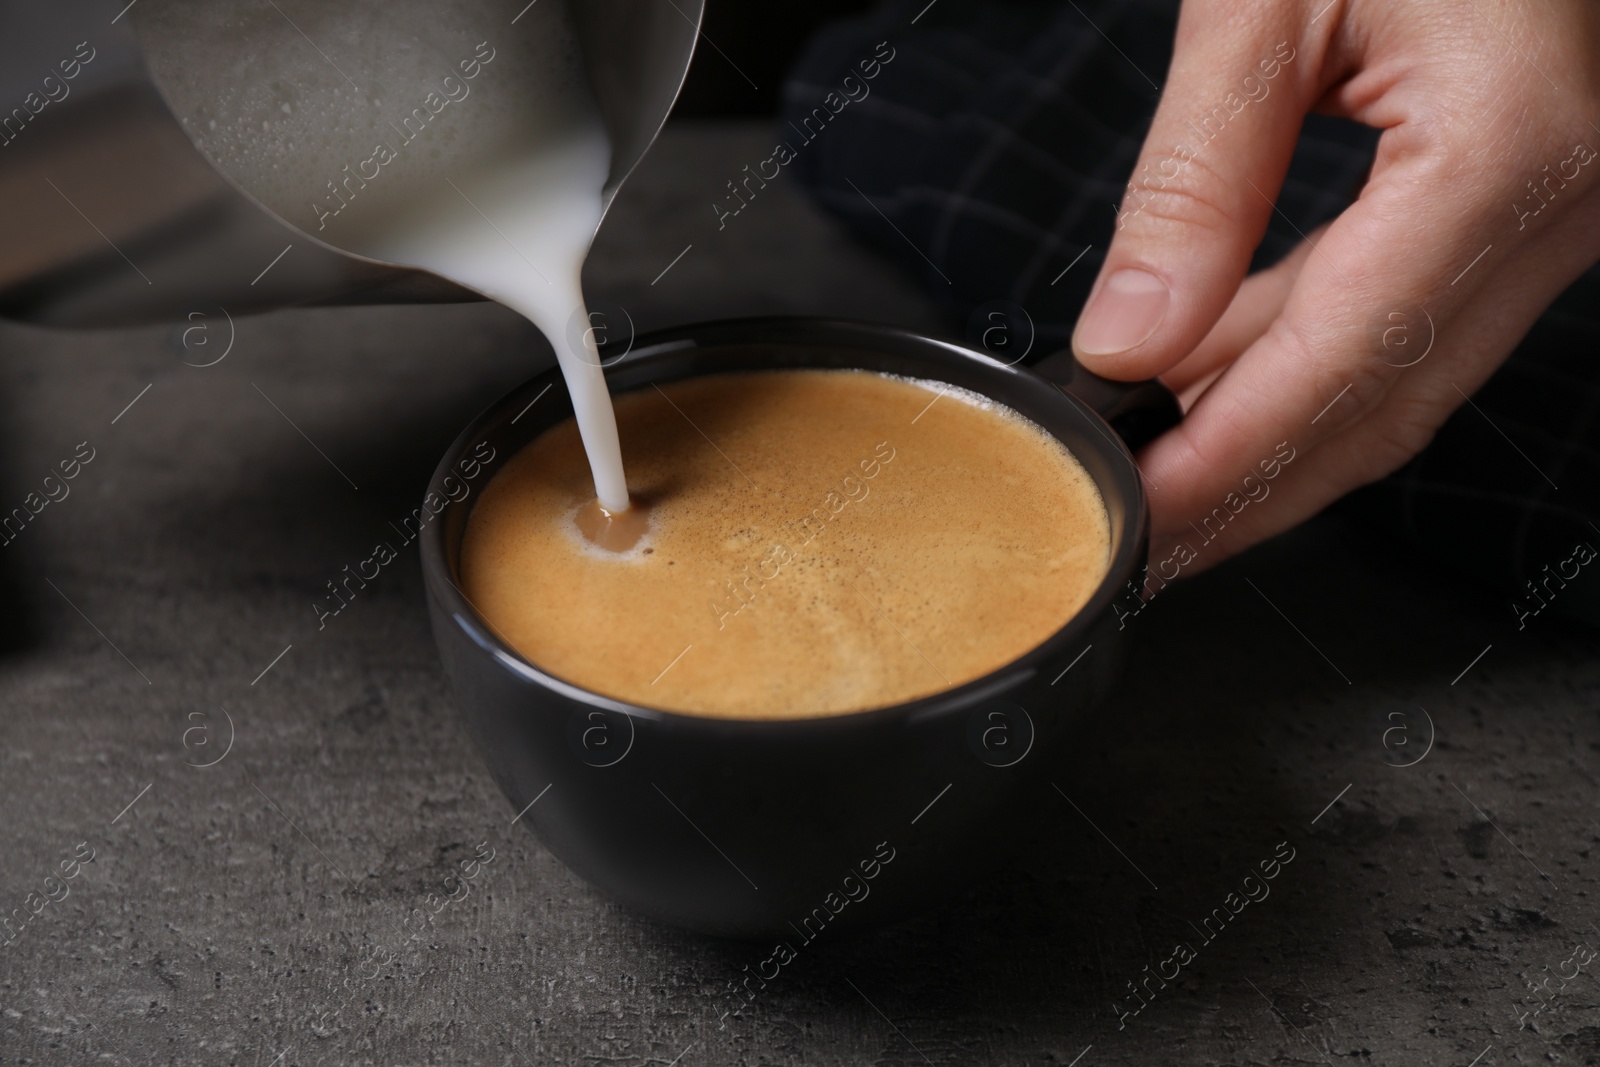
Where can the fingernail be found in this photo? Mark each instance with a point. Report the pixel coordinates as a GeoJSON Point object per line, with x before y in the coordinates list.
{"type": "Point", "coordinates": [1123, 314]}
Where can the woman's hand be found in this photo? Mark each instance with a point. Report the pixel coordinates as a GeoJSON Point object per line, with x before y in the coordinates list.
{"type": "Point", "coordinates": [1482, 206]}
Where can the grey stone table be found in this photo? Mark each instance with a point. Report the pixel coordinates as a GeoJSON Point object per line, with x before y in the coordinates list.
{"type": "Point", "coordinates": [230, 913]}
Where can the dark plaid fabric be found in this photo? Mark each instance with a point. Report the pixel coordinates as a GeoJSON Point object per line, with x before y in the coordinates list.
{"type": "Point", "coordinates": [989, 155]}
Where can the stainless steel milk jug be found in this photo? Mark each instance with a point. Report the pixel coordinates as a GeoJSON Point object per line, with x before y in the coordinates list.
{"type": "Point", "coordinates": [110, 216]}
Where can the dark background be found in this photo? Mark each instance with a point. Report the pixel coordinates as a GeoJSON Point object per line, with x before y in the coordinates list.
{"type": "Point", "coordinates": [763, 39]}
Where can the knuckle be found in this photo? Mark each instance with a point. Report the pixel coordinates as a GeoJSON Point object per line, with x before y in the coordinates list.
{"type": "Point", "coordinates": [1191, 195]}
{"type": "Point", "coordinates": [1351, 381]}
{"type": "Point", "coordinates": [1371, 380]}
{"type": "Point", "coordinates": [1406, 426]}
{"type": "Point", "coordinates": [1492, 153]}
{"type": "Point", "coordinates": [1382, 426]}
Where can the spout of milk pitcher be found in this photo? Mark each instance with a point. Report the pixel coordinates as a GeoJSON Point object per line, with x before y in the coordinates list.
{"type": "Point", "coordinates": [112, 217]}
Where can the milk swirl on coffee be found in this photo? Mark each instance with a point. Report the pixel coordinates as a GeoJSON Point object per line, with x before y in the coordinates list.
{"type": "Point", "coordinates": [434, 136]}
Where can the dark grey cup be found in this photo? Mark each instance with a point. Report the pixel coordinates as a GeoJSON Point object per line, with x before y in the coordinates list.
{"type": "Point", "coordinates": [793, 829]}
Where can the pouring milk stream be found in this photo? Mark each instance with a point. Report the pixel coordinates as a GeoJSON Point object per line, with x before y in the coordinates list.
{"type": "Point", "coordinates": [400, 132]}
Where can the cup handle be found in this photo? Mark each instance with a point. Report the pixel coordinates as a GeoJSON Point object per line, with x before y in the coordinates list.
{"type": "Point", "coordinates": [1139, 411]}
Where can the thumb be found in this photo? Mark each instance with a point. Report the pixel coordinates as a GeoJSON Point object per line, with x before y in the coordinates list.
{"type": "Point", "coordinates": [1202, 192]}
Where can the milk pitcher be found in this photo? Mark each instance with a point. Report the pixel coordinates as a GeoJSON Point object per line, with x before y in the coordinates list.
{"type": "Point", "coordinates": [113, 215]}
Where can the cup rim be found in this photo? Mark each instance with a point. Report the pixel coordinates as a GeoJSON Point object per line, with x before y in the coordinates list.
{"type": "Point", "coordinates": [1126, 551]}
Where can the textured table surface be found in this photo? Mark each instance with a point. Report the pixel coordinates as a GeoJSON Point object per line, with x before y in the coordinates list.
{"type": "Point", "coordinates": [227, 906]}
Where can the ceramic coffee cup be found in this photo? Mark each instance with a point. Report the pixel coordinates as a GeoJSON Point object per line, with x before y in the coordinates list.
{"type": "Point", "coordinates": [799, 828]}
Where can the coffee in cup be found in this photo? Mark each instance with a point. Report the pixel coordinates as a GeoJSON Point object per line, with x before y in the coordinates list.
{"type": "Point", "coordinates": [803, 543]}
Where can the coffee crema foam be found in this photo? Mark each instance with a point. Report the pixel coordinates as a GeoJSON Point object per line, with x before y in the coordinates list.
{"type": "Point", "coordinates": [818, 542]}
